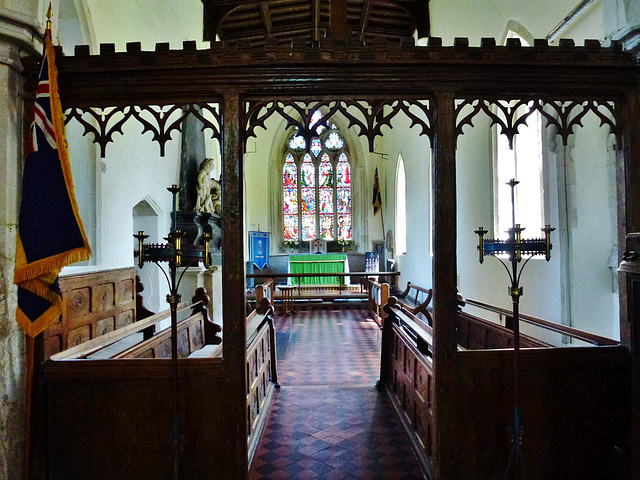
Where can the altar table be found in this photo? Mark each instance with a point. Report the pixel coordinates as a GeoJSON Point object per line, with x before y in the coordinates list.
{"type": "Point", "coordinates": [319, 263]}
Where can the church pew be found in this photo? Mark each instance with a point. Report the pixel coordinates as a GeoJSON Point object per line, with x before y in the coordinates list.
{"type": "Point", "coordinates": [265, 290]}
{"type": "Point", "coordinates": [110, 417]}
{"type": "Point", "coordinates": [377, 298]}
{"type": "Point", "coordinates": [416, 300]}
{"type": "Point", "coordinates": [573, 400]}
{"type": "Point", "coordinates": [93, 304]}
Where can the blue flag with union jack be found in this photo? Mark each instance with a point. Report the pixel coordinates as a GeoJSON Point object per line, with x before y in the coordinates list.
{"type": "Point", "coordinates": [50, 231]}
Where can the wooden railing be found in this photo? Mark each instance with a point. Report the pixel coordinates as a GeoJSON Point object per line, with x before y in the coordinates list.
{"type": "Point", "coordinates": [546, 324]}
{"type": "Point", "coordinates": [327, 274]}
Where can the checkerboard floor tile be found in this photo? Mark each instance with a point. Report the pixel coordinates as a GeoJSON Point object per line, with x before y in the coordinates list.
{"type": "Point", "coordinates": [328, 421]}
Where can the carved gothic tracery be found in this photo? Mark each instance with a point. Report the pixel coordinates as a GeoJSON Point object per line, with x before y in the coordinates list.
{"type": "Point", "coordinates": [510, 115]}
{"type": "Point", "coordinates": [161, 121]}
{"type": "Point", "coordinates": [369, 116]}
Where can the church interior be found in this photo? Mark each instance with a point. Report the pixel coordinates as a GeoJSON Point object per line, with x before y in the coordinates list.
{"type": "Point", "coordinates": [456, 179]}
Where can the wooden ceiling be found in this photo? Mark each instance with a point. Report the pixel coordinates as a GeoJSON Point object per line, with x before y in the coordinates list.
{"type": "Point", "coordinates": [286, 21]}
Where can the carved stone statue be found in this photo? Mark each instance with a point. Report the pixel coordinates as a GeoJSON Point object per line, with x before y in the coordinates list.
{"type": "Point", "coordinates": [209, 189]}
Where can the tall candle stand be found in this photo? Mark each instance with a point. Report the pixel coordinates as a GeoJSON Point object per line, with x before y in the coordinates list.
{"type": "Point", "coordinates": [515, 247]}
{"type": "Point", "coordinates": [176, 254]}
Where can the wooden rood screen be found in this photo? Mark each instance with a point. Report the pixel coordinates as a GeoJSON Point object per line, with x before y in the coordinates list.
{"type": "Point", "coordinates": [568, 393]}
{"type": "Point", "coordinates": [441, 89]}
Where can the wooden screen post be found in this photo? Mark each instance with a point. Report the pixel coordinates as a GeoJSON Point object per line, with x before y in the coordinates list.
{"type": "Point", "coordinates": [444, 285]}
{"type": "Point", "coordinates": [629, 222]}
{"type": "Point", "coordinates": [233, 293]}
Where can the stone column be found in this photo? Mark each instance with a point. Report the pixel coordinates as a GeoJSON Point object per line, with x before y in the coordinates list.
{"type": "Point", "coordinates": [18, 36]}
{"type": "Point", "coordinates": [621, 20]}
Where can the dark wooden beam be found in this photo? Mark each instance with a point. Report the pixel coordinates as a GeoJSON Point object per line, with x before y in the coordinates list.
{"type": "Point", "coordinates": [166, 77]}
{"type": "Point", "coordinates": [266, 17]}
{"type": "Point", "coordinates": [364, 18]}
{"type": "Point", "coordinates": [315, 18]}
{"type": "Point", "coordinates": [423, 22]}
{"type": "Point", "coordinates": [233, 293]}
{"type": "Point", "coordinates": [339, 29]}
{"type": "Point", "coordinates": [444, 284]}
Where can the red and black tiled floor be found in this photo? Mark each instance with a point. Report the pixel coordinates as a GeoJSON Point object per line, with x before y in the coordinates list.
{"type": "Point", "coordinates": [328, 421]}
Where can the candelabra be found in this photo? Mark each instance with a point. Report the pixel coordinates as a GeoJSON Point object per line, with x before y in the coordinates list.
{"type": "Point", "coordinates": [177, 255]}
{"type": "Point", "coordinates": [515, 247]}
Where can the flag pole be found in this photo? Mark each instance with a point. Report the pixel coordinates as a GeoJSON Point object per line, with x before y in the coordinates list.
{"type": "Point", "coordinates": [384, 236]}
{"type": "Point", "coordinates": [29, 351]}
{"type": "Point", "coordinates": [30, 359]}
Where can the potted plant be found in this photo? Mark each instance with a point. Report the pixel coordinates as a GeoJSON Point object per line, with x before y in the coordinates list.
{"type": "Point", "coordinates": [290, 243]}
{"type": "Point", "coordinates": [344, 244]}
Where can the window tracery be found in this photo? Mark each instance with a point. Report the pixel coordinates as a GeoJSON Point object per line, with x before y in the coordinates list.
{"type": "Point", "coordinates": [317, 176]}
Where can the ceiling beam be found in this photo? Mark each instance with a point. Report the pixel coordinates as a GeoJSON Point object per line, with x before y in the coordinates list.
{"type": "Point", "coordinates": [338, 27]}
{"type": "Point", "coordinates": [266, 17]}
{"type": "Point", "coordinates": [315, 16]}
{"type": "Point", "coordinates": [364, 18]}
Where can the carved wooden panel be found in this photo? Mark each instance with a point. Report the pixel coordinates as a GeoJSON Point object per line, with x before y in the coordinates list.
{"type": "Point", "coordinates": [183, 343]}
{"type": "Point", "coordinates": [125, 318]}
{"type": "Point", "coordinates": [79, 301]}
{"type": "Point", "coordinates": [105, 326]}
{"type": "Point", "coordinates": [125, 291]}
{"type": "Point", "coordinates": [79, 335]}
{"type": "Point", "coordinates": [411, 389]}
{"type": "Point", "coordinates": [189, 340]}
{"type": "Point", "coordinates": [258, 378]}
{"type": "Point", "coordinates": [103, 296]}
{"type": "Point", "coordinates": [196, 337]}
{"type": "Point", "coordinates": [94, 303]}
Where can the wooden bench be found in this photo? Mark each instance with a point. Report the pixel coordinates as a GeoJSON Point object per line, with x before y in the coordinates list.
{"type": "Point", "coordinates": [121, 399]}
{"type": "Point", "coordinates": [93, 304]}
{"type": "Point", "coordinates": [416, 300]}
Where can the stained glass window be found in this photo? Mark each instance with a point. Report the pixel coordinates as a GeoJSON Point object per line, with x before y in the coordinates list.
{"type": "Point", "coordinates": [308, 198]}
{"type": "Point", "coordinates": [316, 146]}
{"type": "Point", "coordinates": [317, 187]}
{"type": "Point", "coordinates": [315, 118]}
{"type": "Point", "coordinates": [290, 198]}
{"type": "Point", "coordinates": [344, 198]}
{"type": "Point", "coordinates": [334, 141]}
{"type": "Point", "coordinates": [297, 143]}
{"type": "Point", "coordinates": [325, 188]}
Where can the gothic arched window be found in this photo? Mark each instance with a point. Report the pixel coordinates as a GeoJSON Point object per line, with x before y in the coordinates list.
{"type": "Point", "coordinates": [316, 185]}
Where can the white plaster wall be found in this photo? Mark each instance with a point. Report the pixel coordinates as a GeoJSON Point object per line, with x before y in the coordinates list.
{"type": "Point", "coordinates": [147, 21]}
{"type": "Point", "coordinates": [593, 234]}
{"type": "Point", "coordinates": [489, 282]}
{"type": "Point", "coordinates": [416, 265]}
{"type": "Point", "coordinates": [476, 20]}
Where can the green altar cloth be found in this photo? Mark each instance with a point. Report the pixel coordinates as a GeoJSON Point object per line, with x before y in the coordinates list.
{"type": "Point", "coordinates": [323, 263]}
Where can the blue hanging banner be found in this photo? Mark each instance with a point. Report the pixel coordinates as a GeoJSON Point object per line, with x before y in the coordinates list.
{"type": "Point", "coordinates": [259, 243]}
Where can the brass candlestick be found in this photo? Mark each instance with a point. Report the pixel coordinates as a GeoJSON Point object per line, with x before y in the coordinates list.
{"type": "Point", "coordinates": [515, 247]}
{"type": "Point", "coordinates": [176, 254]}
